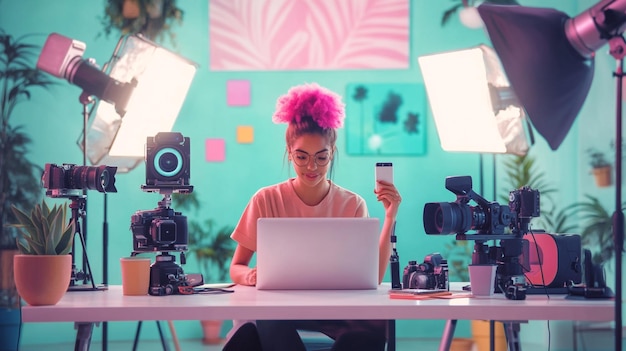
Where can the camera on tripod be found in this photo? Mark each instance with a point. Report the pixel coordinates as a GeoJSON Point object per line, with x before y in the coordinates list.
{"type": "Point", "coordinates": [164, 229]}
{"type": "Point", "coordinates": [490, 221]}
{"type": "Point", "coordinates": [70, 181]}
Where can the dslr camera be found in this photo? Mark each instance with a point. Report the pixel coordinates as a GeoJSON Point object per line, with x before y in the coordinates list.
{"type": "Point", "coordinates": [70, 180]}
{"type": "Point", "coordinates": [431, 274]}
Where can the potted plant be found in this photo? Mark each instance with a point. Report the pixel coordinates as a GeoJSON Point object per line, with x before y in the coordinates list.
{"type": "Point", "coordinates": [600, 167]}
{"type": "Point", "coordinates": [213, 249]}
{"type": "Point", "coordinates": [43, 268]}
{"type": "Point", "coordinates": [18, 184]}
{"type": "Point", "coordinates": [151, 18]}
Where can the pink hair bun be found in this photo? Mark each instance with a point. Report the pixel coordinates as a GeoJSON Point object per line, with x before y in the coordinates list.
{"type": "Point", "coordinates": [323, 105]}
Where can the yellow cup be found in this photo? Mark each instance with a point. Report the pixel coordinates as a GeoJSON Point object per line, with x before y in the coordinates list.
{"type": "Point", "coordinates": [135, 275]}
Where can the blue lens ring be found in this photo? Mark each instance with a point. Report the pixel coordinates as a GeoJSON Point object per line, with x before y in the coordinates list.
{"type": "Point", "coordinates": [179, 162]}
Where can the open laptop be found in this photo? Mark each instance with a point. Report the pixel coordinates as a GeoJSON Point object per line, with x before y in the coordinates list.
{"type": "Point", "coordinates": [317, 253]}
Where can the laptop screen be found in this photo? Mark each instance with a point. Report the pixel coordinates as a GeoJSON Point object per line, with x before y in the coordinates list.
{"type": "Point", "coordinates": [317, 253]}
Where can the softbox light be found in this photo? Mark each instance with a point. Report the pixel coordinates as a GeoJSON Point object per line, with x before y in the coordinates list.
{"type": "Point", "coordinates": [472, 102]}
{"type": "Point", "coordinates": [140, 91]}
{"type": "Point", "coordinates": [550, 77]}
{"type": "Point", "coordinates": [162, 81]}
{"type": "Point", "coordinates": [548, 57]}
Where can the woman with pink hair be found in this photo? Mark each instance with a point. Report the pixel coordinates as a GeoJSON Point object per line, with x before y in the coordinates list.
{"type": "Point", "coordinates": [313, 115]}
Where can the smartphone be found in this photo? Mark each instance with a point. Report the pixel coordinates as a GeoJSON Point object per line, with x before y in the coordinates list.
{"type": "Point", "coordinates": [384, 171]}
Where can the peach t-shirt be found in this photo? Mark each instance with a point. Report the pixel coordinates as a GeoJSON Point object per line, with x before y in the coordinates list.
{"type": "Point", "coordinates": [280, 200]}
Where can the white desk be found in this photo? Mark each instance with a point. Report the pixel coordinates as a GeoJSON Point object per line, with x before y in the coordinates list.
{"type": "Point", "coordinates": [250, 303]}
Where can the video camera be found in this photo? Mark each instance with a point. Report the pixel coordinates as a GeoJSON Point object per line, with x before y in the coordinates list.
{"type": "Point", "coordinates": [488, 217]}
{"type": "Point", "coordinates": [163, 229]}
{"type": "Point", "coordinates": [491, 221]}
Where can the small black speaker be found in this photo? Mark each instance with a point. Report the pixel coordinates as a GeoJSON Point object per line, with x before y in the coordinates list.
{"type": "Point", "coordinates": [167, 160]}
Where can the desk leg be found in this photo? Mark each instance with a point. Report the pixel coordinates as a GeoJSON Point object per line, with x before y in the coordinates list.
{"type": "Point", "coordinates": [83, 335]}
{"type": "Point", "coordinates": [448, 333]}
{"type": "Point", "coordinates": [511, 332]}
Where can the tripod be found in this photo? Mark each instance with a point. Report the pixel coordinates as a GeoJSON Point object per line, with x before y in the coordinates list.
{"type": "Point", "coordinates": [78, 207]}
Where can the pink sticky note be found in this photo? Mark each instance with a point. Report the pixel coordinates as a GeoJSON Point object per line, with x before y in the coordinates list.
{"type": "Point", "coordinates": [245, 134]}
{"type": "Point", "coordinates": [238, 92]}
{"type": "Point", "coordinates": [215, 150]}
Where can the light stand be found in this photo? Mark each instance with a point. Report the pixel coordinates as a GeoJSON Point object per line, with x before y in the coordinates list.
{"type": "Point", "coordinates": [554, 94]}
{"type": "Point", "coordinates": [618, 51]}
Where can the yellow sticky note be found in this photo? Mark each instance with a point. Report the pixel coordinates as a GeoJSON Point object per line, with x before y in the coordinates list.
{"type": "Point", "coordinates": [245, 134]}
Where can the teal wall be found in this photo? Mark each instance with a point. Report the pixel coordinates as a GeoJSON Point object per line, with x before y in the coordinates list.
{"type": "Point", "coordinates": [54, 120]}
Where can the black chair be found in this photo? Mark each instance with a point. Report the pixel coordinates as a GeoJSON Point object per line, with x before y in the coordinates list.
{"type": "Point", "coordinates": [320, 342]}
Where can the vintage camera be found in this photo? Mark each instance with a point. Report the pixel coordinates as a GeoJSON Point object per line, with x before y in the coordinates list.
{"type": "Point", "coordinates": [163, 229]}
{"type": "Point", "coordinates": [168, 163]}
{"type": "Point", "coordinates": [70, 180]}
{"type": "Point", "coordinates": [431, 274]}
{"type": "Point", "coordinates": [167, 171]}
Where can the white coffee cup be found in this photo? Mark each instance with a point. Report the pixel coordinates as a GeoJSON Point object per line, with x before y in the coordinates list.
{"type": "Point", "coordinates": [482, 279]}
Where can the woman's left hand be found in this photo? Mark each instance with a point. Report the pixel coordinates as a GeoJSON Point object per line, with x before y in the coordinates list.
{"type": "Point", "coordinates": [390, 197]}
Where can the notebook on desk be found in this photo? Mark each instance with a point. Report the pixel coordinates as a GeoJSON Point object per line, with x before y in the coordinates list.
{"type": "Point", "coordinates": [317, 253]}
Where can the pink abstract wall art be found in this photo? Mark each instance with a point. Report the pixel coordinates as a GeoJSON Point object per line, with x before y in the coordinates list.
{"type": "Point", "coordinates": [258, 35]}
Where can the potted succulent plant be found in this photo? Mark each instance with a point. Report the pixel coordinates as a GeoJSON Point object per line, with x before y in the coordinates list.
{"type": "Point", "coordinates": [212, 249]}
{"type": "Point", "coordinates": [43, 268]}
{"type": "Point", "coordinates": [600, 167]}
{"type": "Point", "coordinates": [151, 18]}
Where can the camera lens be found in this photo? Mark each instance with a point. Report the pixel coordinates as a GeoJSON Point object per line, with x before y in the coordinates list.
{"type": "Point", "coordinates": [446, 218]}
{"type": "Point", "coordinates": [168, 162]}
{"type": "Point", "coordinates": [163, 231]}
{"type": "Point", "coordinates": [98, 178]}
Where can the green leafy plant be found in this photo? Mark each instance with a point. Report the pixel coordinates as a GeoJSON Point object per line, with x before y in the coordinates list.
{"type": "Point", "coordinates": [153, 19]}
{"type": "Point", "coordinates": [597, 159]}
{"type": "Point", "coordinates": [597, 228]}
{"type": "Point", "coordinates": [18, 184]}
{"type": "Point", "coordinates": [212, 247]}
{"type": "Point", "coordinates": [44, 231]}
{"type": "Point", "coordinates": [522, 171]}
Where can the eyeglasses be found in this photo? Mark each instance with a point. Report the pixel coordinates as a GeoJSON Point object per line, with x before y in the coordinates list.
{"type": "Point", "coordinates": [302, 158]}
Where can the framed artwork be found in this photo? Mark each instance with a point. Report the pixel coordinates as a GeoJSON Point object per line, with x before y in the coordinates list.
{"type": "Point", "coordinates": [252, 35]}
{"type": "Point", "coordinates": [385, 119]}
